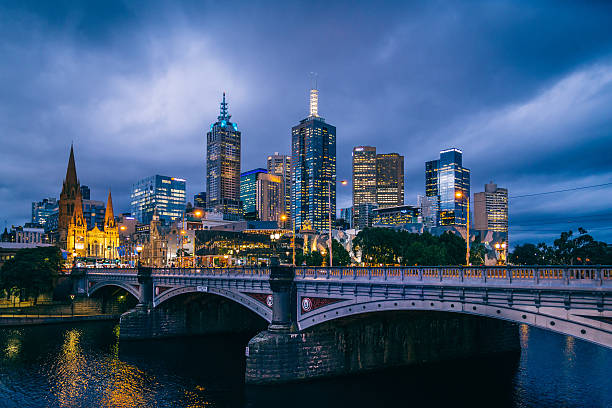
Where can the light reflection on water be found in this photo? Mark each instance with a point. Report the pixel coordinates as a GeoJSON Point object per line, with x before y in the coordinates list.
{"type": "Point", "coordinates": [87, 366]}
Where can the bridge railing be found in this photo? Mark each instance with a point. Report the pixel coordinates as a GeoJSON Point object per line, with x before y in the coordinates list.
{"type": "Point", "coordinates": [541, 275]}
{"type": "Point", "coordinates": [246, 272]}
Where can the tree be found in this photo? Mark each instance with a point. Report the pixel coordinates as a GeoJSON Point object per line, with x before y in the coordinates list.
{"type": "Point", "coordinates": [477, 254]}
{"type": "Point", "coordinates": [341, 255]}
{"type": "Point", "coordinates": [30, 273]}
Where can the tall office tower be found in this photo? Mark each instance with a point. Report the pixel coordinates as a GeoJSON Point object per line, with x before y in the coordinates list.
{"type": "Point", "coordinates": [85, 193]}
{"type": "Point", "coordinates": [364, 180]}
{"type": "Point", "coordinates": [389, 180]}
{"type": "Point", "coordinates": [166, 194]}
{"type": "Point", "coordinates": [199, 200]}
{"type": "Point", "coordinates": [223, 165]}
{"type": "Point", "coordinates": [43, 210]}
{"type": "Point", "coordinates": [262, 195]}
{"type": "Point", "coordinates": [491, 209]}
{"type": "Point", "coordinates": [280, 165]}
{"type": "Point", "coordinates": [313, 169]}
{"type": "Point", "coordinates": [366, 213]}
{"type": "Point", "coordinates": [443, 179]}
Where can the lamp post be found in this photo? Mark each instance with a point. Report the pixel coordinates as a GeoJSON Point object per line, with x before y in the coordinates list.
{"type": "Point", "coordinates": [331, 256]}
{"type": "Point", "coordinates": [283, 218]}
{"type": "Point", "coordinates": [500, 248]}
{"type": "Point", "coordinates": [72, 304]}
{"type": "Point", "coordinates": [138, 250]}
{"type": "Point", "coordinates": [460, 194]}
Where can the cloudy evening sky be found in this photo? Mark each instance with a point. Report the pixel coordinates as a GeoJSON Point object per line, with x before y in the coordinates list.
{"type": "Point", "coordinates": [523, 88]}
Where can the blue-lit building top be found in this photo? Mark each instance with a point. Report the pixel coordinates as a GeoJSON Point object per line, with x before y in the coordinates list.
{"type": "Point", "coordinates": [167, 194]}
{"type": "Point", "coordinates": [43, 211]}
{"type": "Point", "coordinates": [444, 178]}
{"type": "Point", "coordinates": [313, 169]}
{"type": "Point", "coordinates": [223, 164]}
{"type": "Point", "coordinates": [248, 190]}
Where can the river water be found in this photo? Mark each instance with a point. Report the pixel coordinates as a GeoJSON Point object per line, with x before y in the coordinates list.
{"type": "Point", "coordinates": [86, 366]}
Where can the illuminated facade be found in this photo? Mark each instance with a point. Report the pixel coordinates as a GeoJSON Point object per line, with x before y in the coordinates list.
{"type": "Point", "coordinates": [280, 165]}
{"type": "Point", "coordinates": [389, 180]}
{"type": "Point", "coordinates": [364, 182]}
{"type": "Point", "coordinates": [491, 209]}
{"type": "Point", "coordinates": [262, 195]}
{"type": "Point", "coordinates": [223, 165]}
{"type": "Point", "coordinates": [74, 233]}
{"type": "Point", "coordinates": [444, 178]}
{"type": "Point", "coordinates": [43, 210]}
{"type": "Point", "coordinates": [395, 216]}
{"type": "Point", "coordinates": [166, 194]}
{"type": "Point", "coordinates": [313, 169]}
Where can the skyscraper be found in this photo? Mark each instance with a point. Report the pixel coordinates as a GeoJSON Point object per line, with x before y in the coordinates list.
{"type": "Point", "coordinates": [223, 165]}
{"type": "Point", "coordinates": [443, 179]}
{"type": "Point", "coordinates": [262, 195]}
{"type": "Point", "coordinates": [43, 210]}
{"type": "Point", "coordinates": [389, 180]}
{"type": "Point", "coordinates": [364, 181]}
{"type": "Point", "coordinates": [280, 165]}
{"type": "Point", "coordinates": [491, 209]}
{"type": "Point", "coordinates": [313, 169]}
{"type": "Point", "coordinates": [166, 194]}
{"type": "Point", "coordinates": [199, 200]}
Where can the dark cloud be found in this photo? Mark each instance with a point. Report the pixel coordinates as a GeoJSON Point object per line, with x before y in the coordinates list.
{"type": "Point", "coordinates": [524, 88]}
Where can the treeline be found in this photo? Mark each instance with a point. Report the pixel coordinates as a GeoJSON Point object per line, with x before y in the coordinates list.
{"type": "Point", "coordinates": [568, 249]}
{"type": "Point", "coordinates": [30, 273]}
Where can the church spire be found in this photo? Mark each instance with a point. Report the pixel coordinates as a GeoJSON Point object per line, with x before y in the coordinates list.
{"type": "Point", "coordinates": [224, 110]}
{"type": "Point", "coordinates": [109, 217]}
{"type": "Point", "coordinates": [71, 176]}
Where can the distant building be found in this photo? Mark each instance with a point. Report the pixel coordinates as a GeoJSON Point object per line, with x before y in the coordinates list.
{"type": "Point", "coordinates": [364, 179]}
{"type": "Point", "coordinates": [428, 207]}
{"type": "Point", "coordinates": [444, 178]}
{"type": "Point", "coordinates": [29, 234]}
{"type": "Point", "coordinates": [366, 215]}
{"type": "Point", "coordinates": [396, 216]}
{"type": "Point", "coordinates": [85, 193]}
{"type": "Point", "coordinates": [223, 165]}
{"type": "Point", "coordinates": [93, 212]}
{"type": "Point", "coordinates": [491, 209]}
{"type": "Point", "coordinates": [166, 194]}
{"type": "Point", "coordinates": [389, 180]}
{"type": "Point", "coordinates": [313, 169]}
{"type": "Point", "coordinates": [347, 215]}
{"type": "Point", "coordinates": [262, 195]}
{"type": "Point", "coordinates": [199, 200]}
{"type": "Point", "coordinates": [43, 210]}
{"type": "Point", "coordinates": [280, 165]}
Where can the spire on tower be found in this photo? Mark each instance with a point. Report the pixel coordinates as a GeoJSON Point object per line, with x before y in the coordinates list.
{"type": "Point", "coordinates": [224, 110]}
{"type": "Point", "coordinates": [71, 176]}
{"type": "Point", "coordinates": [109, 216]}
{"type": "Point", "coordinates": [314, 95]}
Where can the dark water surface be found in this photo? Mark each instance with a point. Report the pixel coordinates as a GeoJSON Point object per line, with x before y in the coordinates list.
{"type": "Point", "coordinates": [85, 366]}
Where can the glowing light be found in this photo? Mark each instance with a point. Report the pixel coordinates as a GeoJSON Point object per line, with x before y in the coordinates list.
{"type": "Point", "coordinates": [139, 248]}
{"type": "Point", "coordinates": [458, 194]}
{"type": "Point", "coordinates": [314, 102]}
{"type": "Point", "coordinates": [123, 228]}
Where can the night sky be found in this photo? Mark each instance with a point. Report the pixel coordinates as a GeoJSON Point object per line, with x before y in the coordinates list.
{"type": "Point", "coordinates": [523, 88]}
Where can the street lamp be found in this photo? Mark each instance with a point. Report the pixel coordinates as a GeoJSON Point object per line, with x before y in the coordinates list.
{"type": "Point", "coordinates": [460, 194]}
{"type": "Point", "coordinates": [138, 250]}
{"type": "Point", "coordinates": [72, 304]}
{"type": "Point", "coordinates": [331, 256]}
{"type": "Point", "coordinates": [501, 252]}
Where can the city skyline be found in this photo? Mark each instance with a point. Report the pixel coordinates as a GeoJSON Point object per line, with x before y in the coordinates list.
{"type": "Point", "coordinates": [555, 104]}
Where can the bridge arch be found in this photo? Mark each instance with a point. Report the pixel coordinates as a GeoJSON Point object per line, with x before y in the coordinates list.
{"type": "Point", "coordinates": [237, 297]}
{"type": "Point", "coordinates": [594, 329]}
{"type": "Point", "coordinates": [128, 288]}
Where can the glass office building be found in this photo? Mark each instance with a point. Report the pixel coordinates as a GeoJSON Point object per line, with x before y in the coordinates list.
{"type": "Point", "coordinates": [443, 179]}
{"type": "Point", "coordinates": [491, 209]}
{"type": "Point", "coordinates": [223, 165]}
{"type": "Point", "coordinates": [166, 194]}
{"type": "Point", "coordinates": [280, 165]}
{"type": "Point", "coordinates": [389, 179]}
{"type": "Point", "coordinates": [313, 170]}
{"type": "Point", "coordinates": [262, 195]}
{"type": "Point", "coordinates": [364, 180]}
{"type": "Point", "coordinates": [43, 210]}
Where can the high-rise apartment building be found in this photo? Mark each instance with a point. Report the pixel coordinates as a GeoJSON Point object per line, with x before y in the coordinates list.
{"type": "Point", "coordinates": [166, 194]}
{"type": "Point", "coordinates": [223, 165]}
{"type": "Point", "coordinates": [491, 209]}
{"type": "Point", "coordinates": [444, 178]}
{"type": "Point", "coordinates": [262, 195]}
{"type": "Point", "coordinates": [43, 210]}
{"type": "Point", "coordinates": [313, 169]}
{"type": "Point", "coordinates": [199, 200]}
{"type": "Point", "coordinates": [389, 180]}
{"type": "Point", "coordinates": [364, 180]}
{"type": "Point", "coordinates": [280, 165]}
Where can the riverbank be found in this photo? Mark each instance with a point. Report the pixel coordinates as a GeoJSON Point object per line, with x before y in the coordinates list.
{"type": "Point", "coordinates": [35, 320]}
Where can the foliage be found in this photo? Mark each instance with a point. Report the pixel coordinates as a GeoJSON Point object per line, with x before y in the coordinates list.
{"type": "Point", "coordinates": [31, 272]}
{"type": "Point", "coordinates": [313, 258]}
{"type": "Point", "coordinates": [390, 247]}
{"type": "Point", "coordinates": [341, 256]}
{"type": "Point", "coordinates": [477, 254]}
{"type": "Point", "coordinates": [566, 250]}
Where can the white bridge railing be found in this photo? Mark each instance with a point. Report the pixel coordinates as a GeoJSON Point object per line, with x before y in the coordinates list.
{"type": "Point", "coordinates": [255, 272]}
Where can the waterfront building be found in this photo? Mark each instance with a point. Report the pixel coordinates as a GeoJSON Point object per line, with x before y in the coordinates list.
{"type": "Point", "coordinates": [313, 169]}
{"type": "Point", "coordinates": [199, 200]}
{"type": "Point", "coordinates": [262, 195]}
{"type": "Point", "coordinates": [396, 216]}
{"type": "Point", "coordinates": [280, 165]}
{"type": "Point", "coordinates": [389, 179]}
{"type": "Point", "coordinates": [491, 209]}
{"type": "Point", "coordinates": [365, 216]}
{"type": "Point", "coordinates": [43, 210]}
{"type": "Point", "coordinates": [444, 178]}
{"type": "Point", "coordinates": [166, 194]}
{"type": "Point", "coordinates": [364, 179]}
{"type": "Point", "coordinates": [223, 165]}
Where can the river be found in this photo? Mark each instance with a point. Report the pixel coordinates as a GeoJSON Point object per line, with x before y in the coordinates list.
{"type": "Point", "coordinates": [85, 366]}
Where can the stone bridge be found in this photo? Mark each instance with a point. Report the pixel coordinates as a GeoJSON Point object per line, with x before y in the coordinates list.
{"type": "Point", "coordinates": [319, 319]}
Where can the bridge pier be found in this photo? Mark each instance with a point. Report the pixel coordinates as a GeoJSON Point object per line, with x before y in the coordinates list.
{"type": "Point", "coordinates": [139, 323]}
